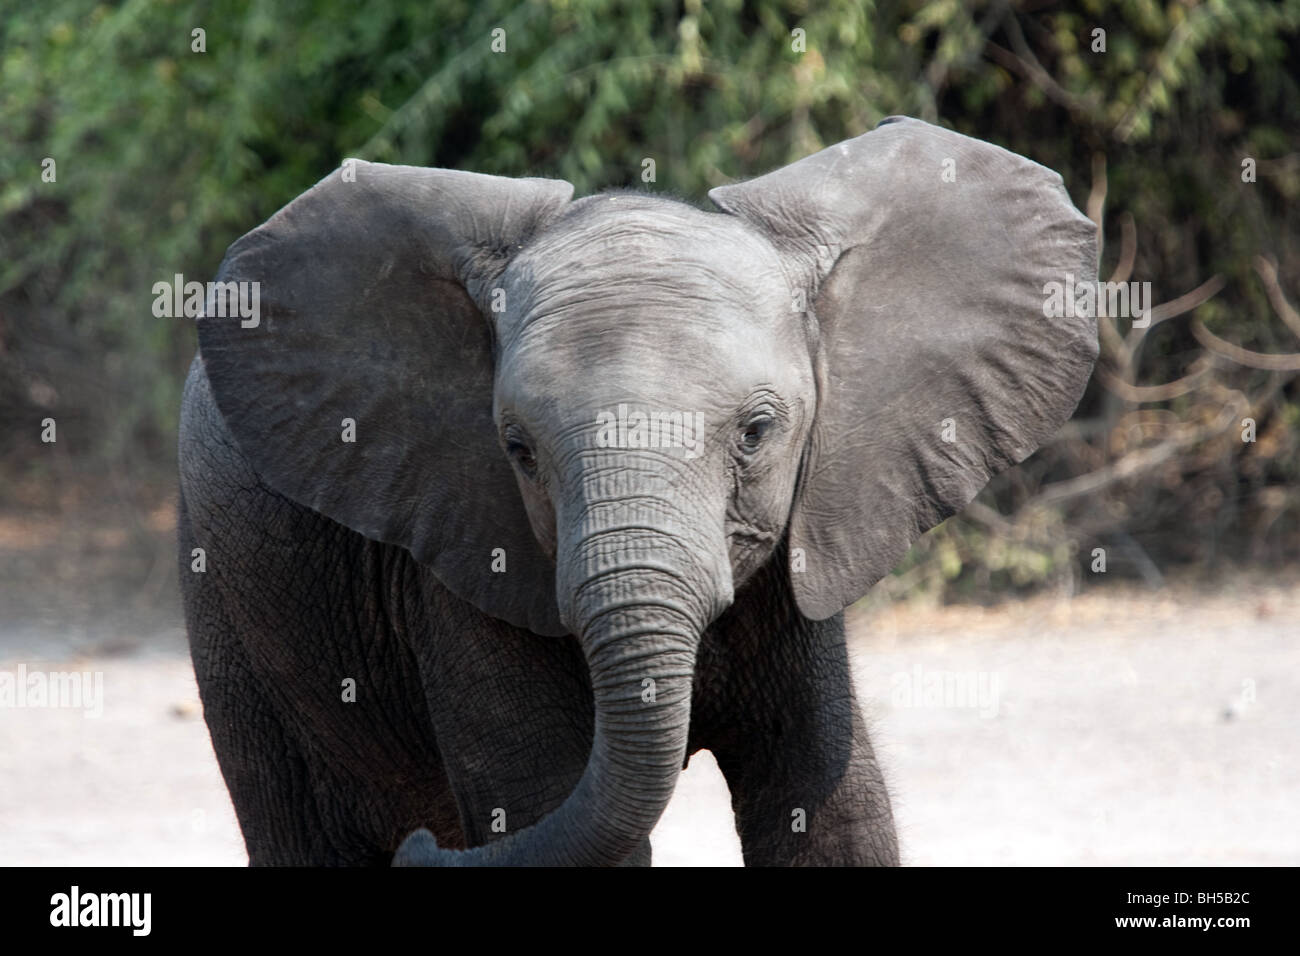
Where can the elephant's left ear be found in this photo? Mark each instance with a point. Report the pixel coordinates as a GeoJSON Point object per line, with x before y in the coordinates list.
{"type": "Point", "coordinates": [928, 259]}
{"type": "Point", "coordinates": [360, 382]}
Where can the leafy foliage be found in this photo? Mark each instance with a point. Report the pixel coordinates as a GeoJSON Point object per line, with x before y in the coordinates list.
{"type": "Point", "coordinates": [166, 155]}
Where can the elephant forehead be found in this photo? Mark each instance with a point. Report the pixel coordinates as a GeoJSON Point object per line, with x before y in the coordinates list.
{"type": "Point", "coordinates": [700, 360]}
{"type": "Point", "coordinates": [648, 301]}
{"type": "Point", "coordinates": [632, 253]}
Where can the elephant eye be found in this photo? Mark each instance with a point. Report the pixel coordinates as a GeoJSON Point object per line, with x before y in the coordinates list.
{"type": "Point", "coordinates": [522, 455]}
{"type": "Point", "coordinates": [752, 434]}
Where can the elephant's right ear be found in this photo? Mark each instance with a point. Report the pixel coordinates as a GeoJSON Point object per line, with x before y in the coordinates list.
{"type": "Point", "coordinates": [362, 388]}
{"type": "Point", "coordinates": [928, 257]}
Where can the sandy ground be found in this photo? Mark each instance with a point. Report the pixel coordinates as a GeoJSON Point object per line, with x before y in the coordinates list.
{"type": "Point", "coordinates": [1120, 727]}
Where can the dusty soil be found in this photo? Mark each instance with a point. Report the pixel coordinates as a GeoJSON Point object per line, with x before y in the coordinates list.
{"type": "Point", "coordinates": [1119, 727]}
{"type": "Point", "coordinates": [1130, 727]}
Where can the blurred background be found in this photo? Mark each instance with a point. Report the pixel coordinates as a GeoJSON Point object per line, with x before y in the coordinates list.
{"type": "Point", "coordinates": [1147, 557]}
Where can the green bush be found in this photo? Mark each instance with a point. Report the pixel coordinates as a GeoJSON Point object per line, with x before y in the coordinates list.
{"type": "Point", "coordinates": [166, 155]}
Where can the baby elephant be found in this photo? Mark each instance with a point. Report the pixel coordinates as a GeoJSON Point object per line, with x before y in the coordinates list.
{"type": "Point", "coordinates": [508, 503]}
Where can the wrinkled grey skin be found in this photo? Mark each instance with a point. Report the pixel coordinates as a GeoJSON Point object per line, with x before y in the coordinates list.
{"type": "Point", "coordinates": [827, 324]}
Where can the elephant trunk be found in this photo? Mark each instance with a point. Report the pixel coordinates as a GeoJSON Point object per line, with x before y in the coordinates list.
{"type": "Point", "coordinates": [631, 591]}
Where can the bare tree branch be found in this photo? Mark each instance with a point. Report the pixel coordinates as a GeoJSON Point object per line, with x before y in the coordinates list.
{"type": "Point", "coordinates": [1235, 353]}
{"type": "Point", "coordinates": [1185, 303]}
{"type": "Point", "coordinates": [1127, 250]}
{"type": "Point", "coordinates": [1097, 197]}
{"type": "Point", "coordinates": [1267, 269]}
{"type": "Point", "coordinates": [1135, 462]}
{"type": "Point", "coordinates": [1141, 394]}
{"type": "Point", "coordinates": [1024, 62]}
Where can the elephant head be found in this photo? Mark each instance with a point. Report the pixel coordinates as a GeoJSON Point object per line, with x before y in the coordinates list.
{"type": "Point", "coordinates": [626, 404]}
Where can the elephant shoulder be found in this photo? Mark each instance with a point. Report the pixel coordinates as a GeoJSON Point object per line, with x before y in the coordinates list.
{"type": "Point", "coordinates": [223, 493]}
{"type": "Point", "coordinates": [209, 459]}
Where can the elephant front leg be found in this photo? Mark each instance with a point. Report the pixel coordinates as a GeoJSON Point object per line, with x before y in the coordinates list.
{"type": "Point", "coordinates": [513, 716]}
{"type": "Point", "coordinates": [788, 736]}
{"type": "Point", "coordinates": [819, 800]}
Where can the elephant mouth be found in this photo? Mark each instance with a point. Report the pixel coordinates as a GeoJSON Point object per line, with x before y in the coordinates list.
{"type": "Point", "coordinates": [752, 535]}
